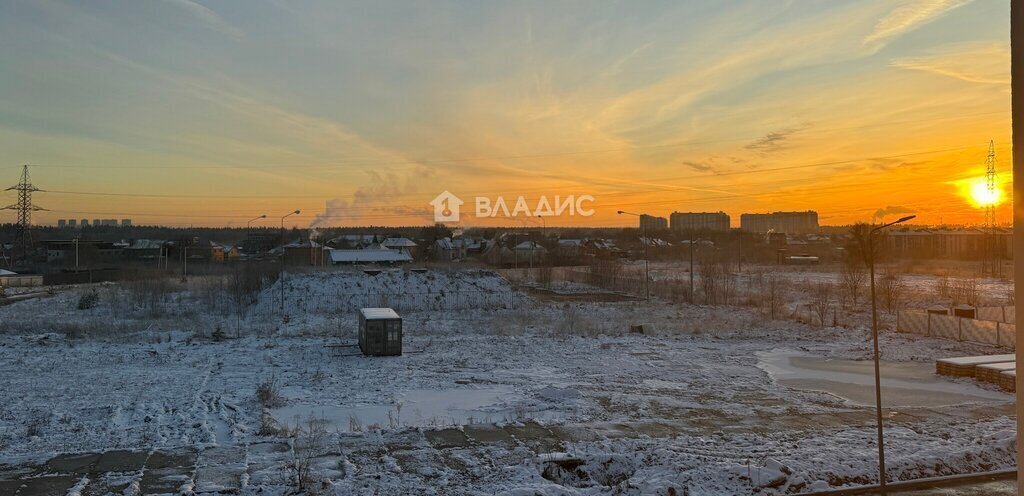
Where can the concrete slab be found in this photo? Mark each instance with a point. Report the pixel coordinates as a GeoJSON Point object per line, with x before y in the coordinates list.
{"type": "Point", "coordinates": [105, 486]}
{"type": "Point", "coordinates": [164, 480]}
{"type": "Point", "coordinates": [81, 463]}
{"type": "Point", "coordinates": [49, 485]}
{"type": "Point", "coordinates": [221, 455]}
{"type": "Point", "coordinates": [121, 461]}
{"type": "Point", "coordinates": [219, 479]}
{"type": "Point", "coordinates": [19, 472]}
{"type": "Point", "coordinates": [179, 457]}
{"type": "Point", "coordinates": [269, 447]}
{"type": "Point", "coordinates": [9, 487]}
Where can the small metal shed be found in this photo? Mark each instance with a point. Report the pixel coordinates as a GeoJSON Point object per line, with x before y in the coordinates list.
{"type": "Point", "coordinates": [380, 332]}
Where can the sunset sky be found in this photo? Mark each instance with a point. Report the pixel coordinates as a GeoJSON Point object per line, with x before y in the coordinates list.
{"type": "Point", "coordinates": [183, 112]}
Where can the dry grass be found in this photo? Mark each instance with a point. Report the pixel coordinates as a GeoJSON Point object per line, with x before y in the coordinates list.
{"type": "Point", "coordinates": [268, 393]}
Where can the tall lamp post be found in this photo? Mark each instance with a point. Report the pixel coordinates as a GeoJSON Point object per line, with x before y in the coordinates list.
{"type": "Point", "coordinates": [643, 236]}
{"type": "Point", "coordinates": [870, 256]}
{"type": "Point", "coordinates": [283, 217]}
{"type": "Point", "coordinates": [693, 297]}
{"type": "Point", "coordinates": [284, 254]}
{"type": "Point", "coordinates": [248, 225]}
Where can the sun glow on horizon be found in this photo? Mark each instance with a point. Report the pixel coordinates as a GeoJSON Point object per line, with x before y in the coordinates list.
{"type": "Point", "coordinates": [976, 190]}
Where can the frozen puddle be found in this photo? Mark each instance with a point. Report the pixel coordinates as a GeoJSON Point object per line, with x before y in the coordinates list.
{"type": "Point", "coordinates": [904, 384]}
{"type": "Point", "coordinates": [411, 408]}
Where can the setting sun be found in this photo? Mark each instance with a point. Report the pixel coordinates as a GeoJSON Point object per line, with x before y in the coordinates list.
{"type": "Point", "coordinates": [980, 195]}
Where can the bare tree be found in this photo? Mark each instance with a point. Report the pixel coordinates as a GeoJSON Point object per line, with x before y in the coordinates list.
{"type": "Point", "coordinates": [822, 301]}
{"type": "Point", "coordinates": [710, 277]}
{"type": "Point", "coordinates": [943, 288]}
{"type": "Point", "coordinates": [773, 296]}
{"type": "Point", "coordinates": [891, 285]}
{"type": "Point", "coordinates": [605, 272]}
{"type": "Point", "coordinates": [545, 273]}
{"type": "Point", "coordinates": [728, 282]}
{"type": "Point", "coordinates": [310, 441]}
{"type": "Point", "coordinates": [852, 276]}
{"type": "Point", "coordinates": [964, 290]}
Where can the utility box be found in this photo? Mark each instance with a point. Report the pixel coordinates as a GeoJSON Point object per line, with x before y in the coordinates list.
{"type": "Point", "coordinates": [380, 332]}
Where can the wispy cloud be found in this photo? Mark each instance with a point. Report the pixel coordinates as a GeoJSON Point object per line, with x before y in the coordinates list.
{"type": "Point", "coordinates": [909, 16]}
{"type": "Point", "coordinates": [775, 140]}
{"type": "Point", "coordinates": [208, 17]}
{"type": "Point", "coordinates": [976, 62]}
{"type": "Point", "coordinates": [698, 166]}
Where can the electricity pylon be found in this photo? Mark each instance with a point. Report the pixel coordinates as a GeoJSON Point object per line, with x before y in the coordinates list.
{"type": "Point", "coordinates": [992, 255]}
{"type": "Point", "coordinates": [24, 206]}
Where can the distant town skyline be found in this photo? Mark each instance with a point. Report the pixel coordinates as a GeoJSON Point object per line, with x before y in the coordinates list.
{"type": "Point", "coordinates": [185, 113]}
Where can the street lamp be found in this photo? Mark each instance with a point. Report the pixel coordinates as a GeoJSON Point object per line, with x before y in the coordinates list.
{"type": "Point", "coordinates": [870, 256]}
{"type": "Point", "coordinates": [184, 264]}
{"type": "Point", "coordinates": [282, 220]}
{"type": "Point", "coordinates": [248, 225]}
{"type": "Point", "coordinates": [284, 255]}
{"type": "Point", "coordinates": [643, 236]}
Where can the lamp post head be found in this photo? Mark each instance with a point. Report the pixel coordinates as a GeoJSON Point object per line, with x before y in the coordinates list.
{"type": "Point", "coordinates": [904, 219]}
{"type": "Point", "coordinates": [264, 216]}
{"type": "Point", "coordinates": [620, 212]}
{"type": "Point", "coordinates": [297, 212]}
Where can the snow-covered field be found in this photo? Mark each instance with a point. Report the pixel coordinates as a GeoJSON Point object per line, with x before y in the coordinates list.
{"type": "Point", "coordinates": [527, 398]}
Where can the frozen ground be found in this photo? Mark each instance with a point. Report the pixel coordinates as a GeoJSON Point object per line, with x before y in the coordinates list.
{"type": "Point", "coordinates": [542, 398]}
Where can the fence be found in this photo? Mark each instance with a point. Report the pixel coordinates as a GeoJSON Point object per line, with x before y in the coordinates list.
{"type": "Point", "coordinates": [998, 314]}
{"type": "Point", "coordinates": [16, 281]}
{"type": "Point", "coordinates": [424, 302]}
{"type": "Point", "coordinates": [957, 328]}
{"type": "Point", "coordinates": [615, 281]}
{"type": "Point", "coordinates": [87, 276]}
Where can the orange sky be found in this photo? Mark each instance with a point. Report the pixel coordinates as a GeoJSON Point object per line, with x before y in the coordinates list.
{"type": "Point", "coordinates": [361, 116]}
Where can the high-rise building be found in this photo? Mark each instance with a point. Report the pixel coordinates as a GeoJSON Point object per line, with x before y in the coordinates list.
{"type": "Point", "coordinates": [652, 223]}
{"type": "Point", "coordinates": [699, 221]}
{"type": "Point", "coordinates": [781, 222]}
{"type": "Point", "coordinates": [72, 223]}
{"type": "Point", "coordinates": [126, 222]}
{"type": "Point", "coordinates": [84, 223]}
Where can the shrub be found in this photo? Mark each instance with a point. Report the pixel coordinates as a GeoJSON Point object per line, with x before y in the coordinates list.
{"type": "Point", "coordinates": [88, 300]}
{"type": "Point", "coordinates": [268, 393]}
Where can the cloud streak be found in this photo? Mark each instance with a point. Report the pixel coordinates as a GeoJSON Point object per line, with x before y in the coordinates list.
{"type": "Point", "coordinates": [974, 62]}
{"type": "Point", "coordinates": [910, 16]}
{"type": "Point", "coordinates": [208, 17]}
{"type": "Point", "coordinates": [775, 140]}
